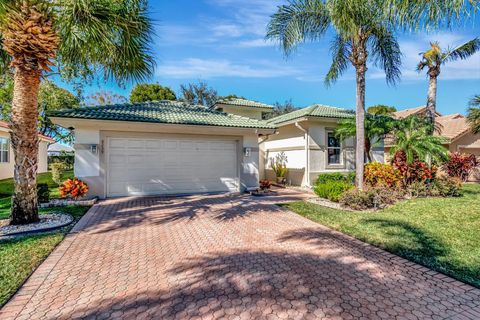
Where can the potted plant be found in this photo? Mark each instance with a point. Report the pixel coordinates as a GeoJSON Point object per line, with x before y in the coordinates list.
{"type": "Point", "coordinates": [279, 166]}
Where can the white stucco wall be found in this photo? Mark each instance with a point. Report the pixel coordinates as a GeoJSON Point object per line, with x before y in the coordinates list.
{"type": "Point", "coordinates": [87, 164]}
{"type": "Point", "coordinates": [291, 140]}
{"type": "Point", "coordinates": [6, 169]}
{"type": "Point", "coordinates": [249, 112]}
{"type": "Point", "coordinates": [92, 167]}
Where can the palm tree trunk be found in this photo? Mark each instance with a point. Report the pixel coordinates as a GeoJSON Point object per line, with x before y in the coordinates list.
{"type": "Point", "coordinates": [360, 124]}
{"type": "Point", "coordinates": [25, 145]}
{"type": "Point", "coordinates": [368, 149]}
{"type": "Point", "coordinates": [432, 100]}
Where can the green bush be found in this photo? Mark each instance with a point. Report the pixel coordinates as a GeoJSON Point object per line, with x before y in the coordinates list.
{"type": "Point", "coordinates": [371, 198]}
{"type": "Point", "coordinates": [332, 190]}
{"type": "Point", "coordinates": [43, 193]}
{"type": "Point", "coordinates": [446, 187]}
{"type": "Point", "coordinates": [57, 170]}
{"type": "Point", "coordinates": [336, 176]}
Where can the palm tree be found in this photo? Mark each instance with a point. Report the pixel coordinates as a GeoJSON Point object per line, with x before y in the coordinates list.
{"type": "Point", "coordinates": [376, 128]}
{"type": "Point", "coordinates": [413, 138]}
{"type": "Point", "coordinates": [434, 59]}
{"type": "Point", "coordinates": [361, 32]}
{"type": "Point", "coordinates": [473, 116]}
{"type": "Point", "coordinates": [72, 38]}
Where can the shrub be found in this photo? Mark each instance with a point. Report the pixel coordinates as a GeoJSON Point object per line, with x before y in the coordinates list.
{"type": "Point", "coordinates": [73, 188]}
{"type": "Point", "coordinates": [379, 174]}
{"type": "Point", "coordinates": [460, 165]}
{"type": "Point", "coordinates": [332, 190]}
{"type": "Point", "coordinates": [417, 171]}
{"type": "Point", "coordinates": [446, 187]}
{"type": "Point", "coordinates": [43, 193]}
{"type": "Point", "coordinates": [336, 176]}
{"type": "Point", "coordinates": [279, 165]}
{"type": "Point", "coordinates": [370, 198]}
{"type": "Point", "coordinates": [57, 170]}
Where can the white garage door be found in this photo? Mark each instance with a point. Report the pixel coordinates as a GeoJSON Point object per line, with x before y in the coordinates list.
{"type": "Point", "coordinates": [170, 166]}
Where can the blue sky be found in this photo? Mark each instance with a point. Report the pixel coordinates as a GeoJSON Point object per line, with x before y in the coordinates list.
{"type": "Point", "coordinates": [222, 42]}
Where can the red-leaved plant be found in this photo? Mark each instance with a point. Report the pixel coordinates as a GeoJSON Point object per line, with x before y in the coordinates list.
{"type": "Point", "coordinates": [460, 165]}
{"type": "Point", "coordinates": [73, 188]}
{"type": "Point", "coordinates": [417, 171]}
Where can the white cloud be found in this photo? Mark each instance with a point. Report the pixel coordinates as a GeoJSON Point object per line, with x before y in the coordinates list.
{"type": "Point", "coordinates": [255, 43]}
{"type": "Point", "coordinates": [215, 68]}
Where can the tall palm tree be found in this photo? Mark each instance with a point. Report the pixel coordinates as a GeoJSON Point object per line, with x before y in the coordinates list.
{"type": "Point", "coordinates": [73, 38]}
{"type": "Point", "coordinates": [473, 116]}
{"type": "Point", "coordinates": [361, 32]}
{"type": "Point", "coordinates": [434, 59]}
{"type": "Point", "coordinates": [376, 128]}
{"type": "Point", "coordinates": [412, 137]}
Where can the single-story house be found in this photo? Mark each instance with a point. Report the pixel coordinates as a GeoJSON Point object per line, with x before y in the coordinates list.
{"type": "Point", "coordinates": [307, 138]}
{"type": "Point", "coordinates": [454, 128]}
{"type": "Point", "coordinates": [6, 152]}
{"type": "Point", "coordinates": [57, 149]}
{"type": "Point", "coordinates": [243, 107]}
{"type": "Point", "coordinates": [163, 147]}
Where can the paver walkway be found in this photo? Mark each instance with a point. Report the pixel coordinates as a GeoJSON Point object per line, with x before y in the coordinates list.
{"type": "Point", "coordinates": [228, 257]}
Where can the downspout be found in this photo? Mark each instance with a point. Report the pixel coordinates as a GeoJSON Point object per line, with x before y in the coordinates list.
{"type": "Point", "coordinates": [307, 153]}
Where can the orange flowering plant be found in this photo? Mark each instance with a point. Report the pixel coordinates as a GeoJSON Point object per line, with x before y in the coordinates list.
{"type": "Point", "coordinates": [73, 188]}
{"type": "Point", "coordinates": [380, 174]}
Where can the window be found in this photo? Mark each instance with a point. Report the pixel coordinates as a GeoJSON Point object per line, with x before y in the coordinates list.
{"type": "Point", "coordinates": [4, 150]}
{"type": "Point", "coordinates": [334, 149]}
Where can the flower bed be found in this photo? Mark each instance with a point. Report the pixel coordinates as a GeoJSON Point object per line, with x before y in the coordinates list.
{"type": "Point", "coordinates": [68, 202]}
{"type": "Point", "coordinates": [47, 222]}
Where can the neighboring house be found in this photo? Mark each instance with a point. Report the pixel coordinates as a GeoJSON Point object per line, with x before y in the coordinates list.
{"type": "Point", "coordinates": [243, 107]}
{"type": "Point", "coordinates": [307, 138]}
{"type": "Point", "coordinates": [454, 128]}
{"type": "Point", "coordinates": [163, 147]}
{"type": "Point", "coordinates": [6, 152]}
{"type": "Point", "coordinates": [57, 149]}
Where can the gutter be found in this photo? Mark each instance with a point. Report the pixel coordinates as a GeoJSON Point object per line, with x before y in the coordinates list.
{"type": "Point", "coordinates": [307, 153]}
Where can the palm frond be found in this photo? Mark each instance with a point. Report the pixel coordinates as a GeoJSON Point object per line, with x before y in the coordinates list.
{"type": "Point", "coordinates": [109, 37]}
{"type": "Point", "coordinates": [475, 101]}
{"type": "Point", "coordinates": [340, 50]}
{"type": "Point", "coordinates": [297, 22]}
{"type": "Point", "coordinates": [428, 14]}
{"type": "Point", "coordinates": [473, 118]}
{"type": "Point", "coordinates": [386, 53]}
{"type": "Point", "coordinates": [462, 52]}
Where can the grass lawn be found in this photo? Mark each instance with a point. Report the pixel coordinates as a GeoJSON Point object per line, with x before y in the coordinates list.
{"type": "Point", "coordinates": [440, 233]}
{"type": "Point", "coordinates": [6, 190]}
{"type": "Point", "coordinates": [21, 256]}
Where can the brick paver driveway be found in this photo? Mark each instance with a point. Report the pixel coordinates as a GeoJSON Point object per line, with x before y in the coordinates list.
{"type": "Point", "coordinates": [228, 257]}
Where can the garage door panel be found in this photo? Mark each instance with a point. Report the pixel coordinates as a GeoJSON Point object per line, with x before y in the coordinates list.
{"type": "Point", "coordinates": [171, 165]}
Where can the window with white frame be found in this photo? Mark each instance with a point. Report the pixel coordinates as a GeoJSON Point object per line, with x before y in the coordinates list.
{"type": "Point", "coordinates": [334, 149]}
{"type": "Point", "coordinates": [4, 150]}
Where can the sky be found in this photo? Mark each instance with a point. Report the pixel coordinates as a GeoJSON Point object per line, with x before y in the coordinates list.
{"type": "Point", "coordinates": [222, 43]}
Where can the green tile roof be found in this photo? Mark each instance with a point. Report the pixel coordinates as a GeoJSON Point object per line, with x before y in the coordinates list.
{"type": "Point", "coordinates": [316, 110]}
{"type": "Point", "coordinates": [172, 112]}
{"type": "Point", "coordinates": [245, 103]}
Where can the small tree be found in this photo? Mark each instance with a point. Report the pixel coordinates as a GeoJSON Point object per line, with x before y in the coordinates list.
{"type": "Point", "coordinates": [433, 60]}
{"type": "Point", "coordinates": [57, 171]}
{"type": "Point", "coordinates": [151, 92]}
{"type": "Point", "coordinates": [381, 110]}
{"type": "Point", "coordinates": [199, 93]}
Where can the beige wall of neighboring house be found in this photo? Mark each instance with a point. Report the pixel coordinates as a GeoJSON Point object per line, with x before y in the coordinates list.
{"type": "Point", "coordinates": [7, 168]}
